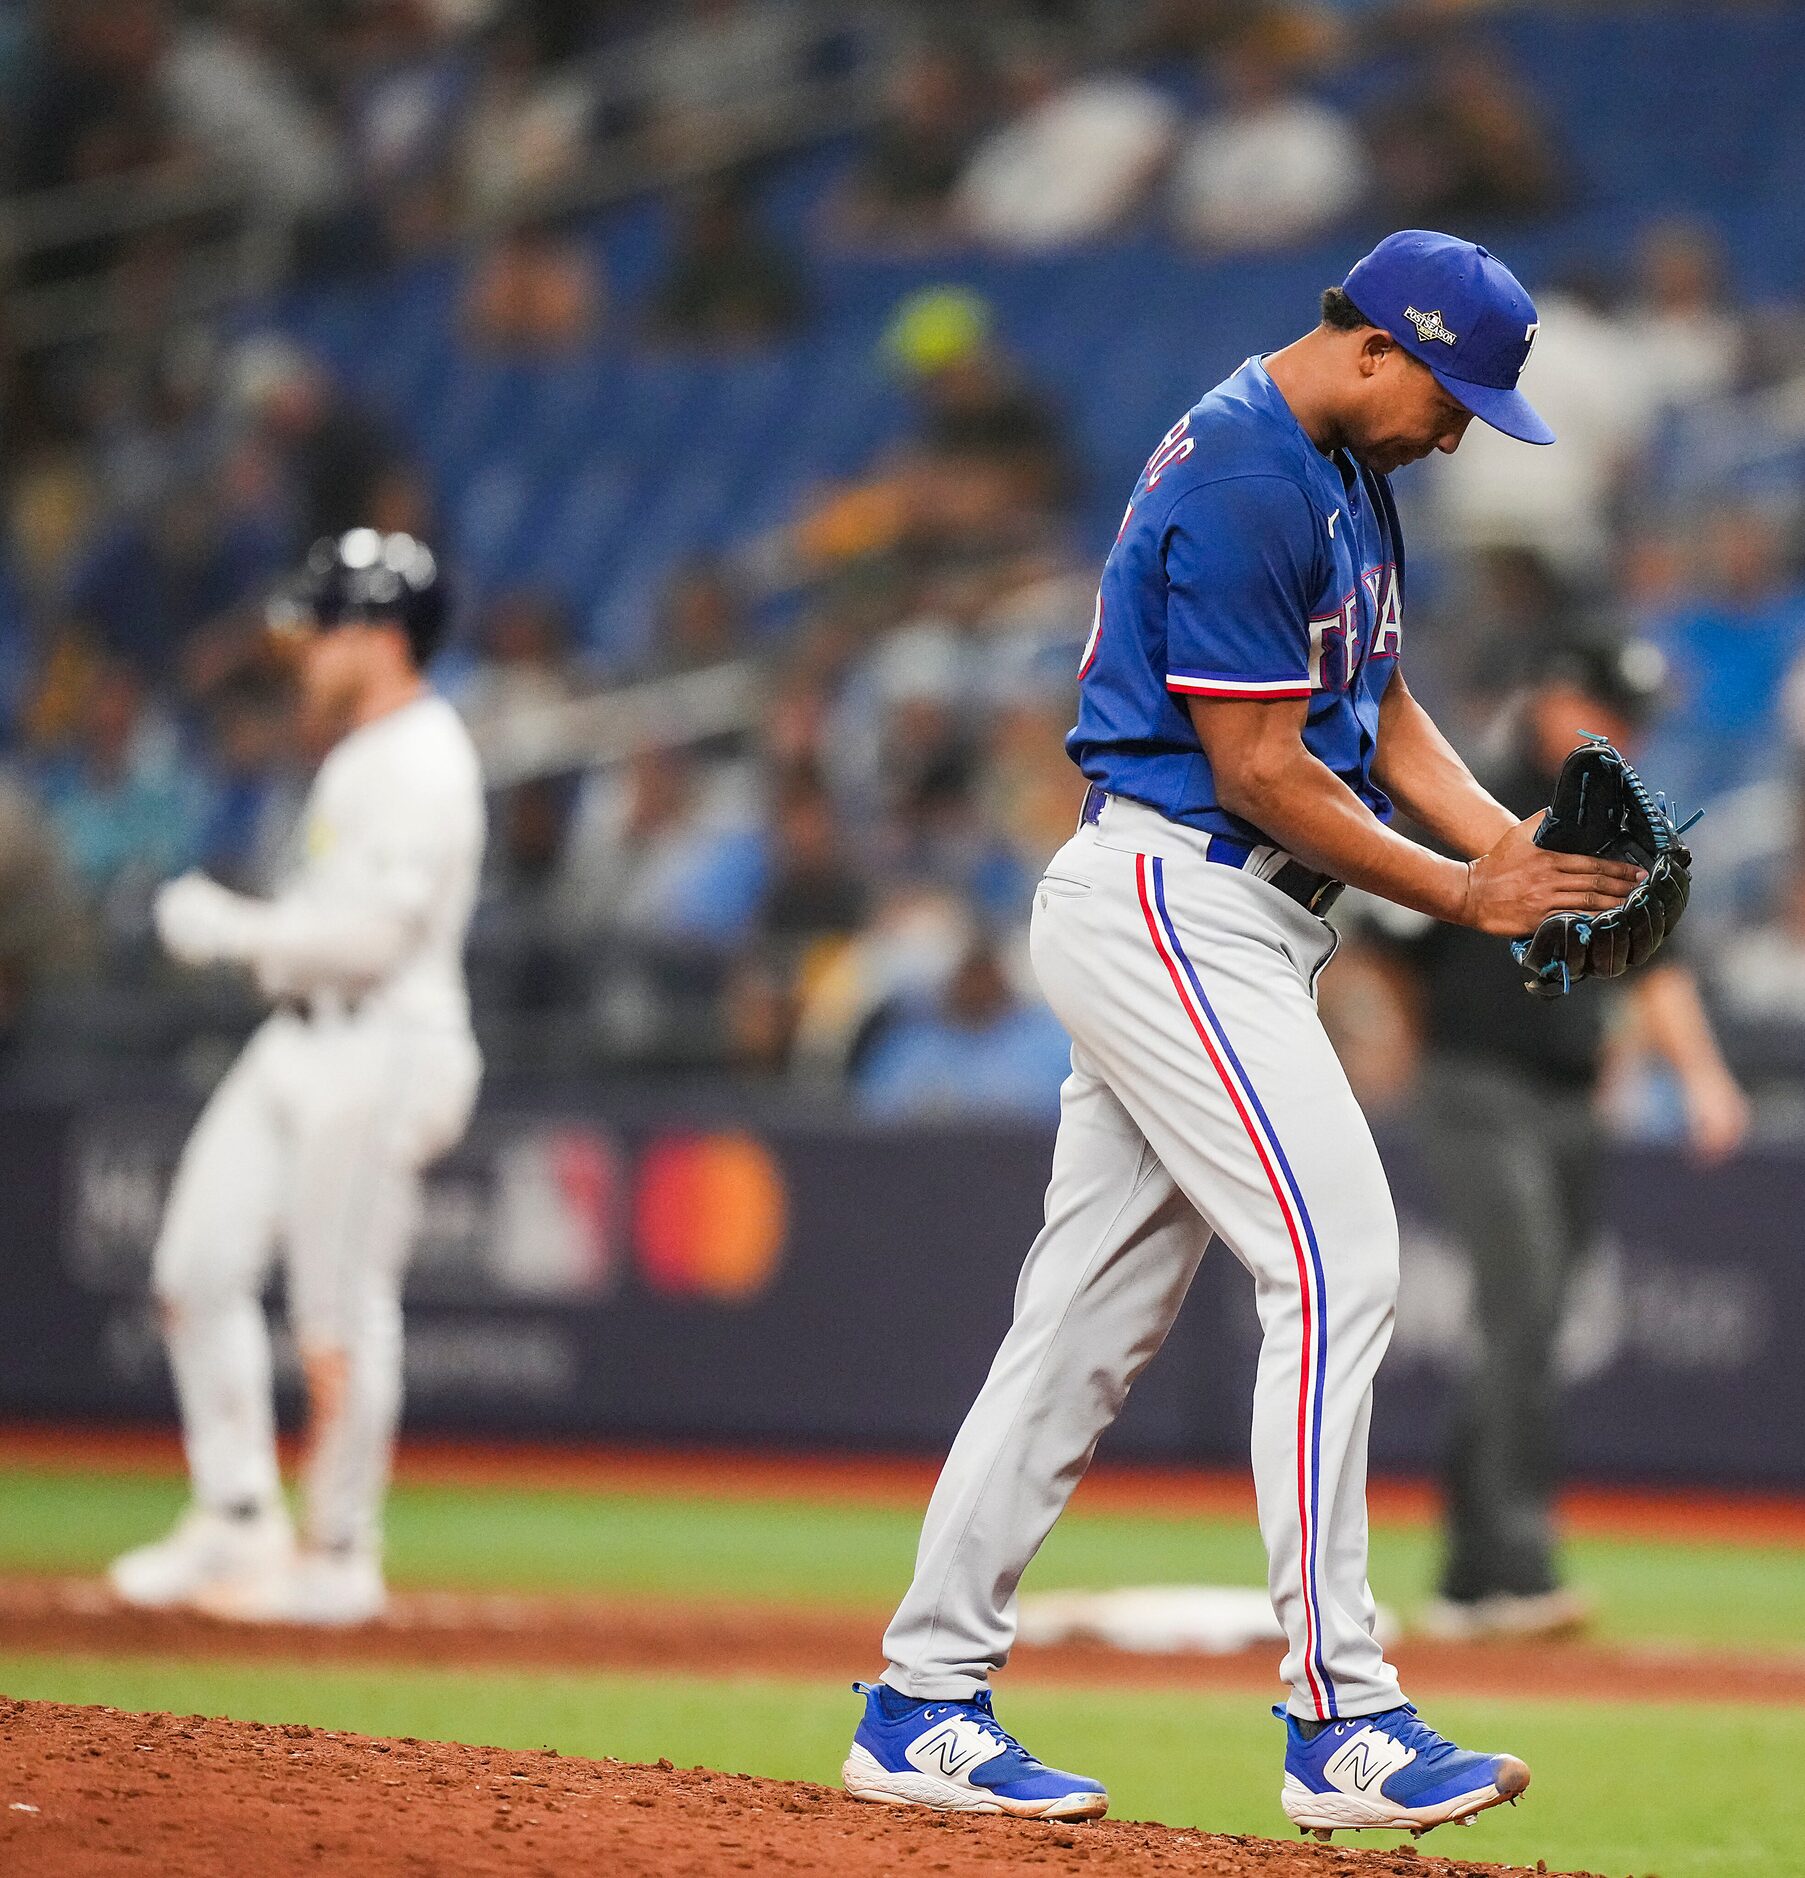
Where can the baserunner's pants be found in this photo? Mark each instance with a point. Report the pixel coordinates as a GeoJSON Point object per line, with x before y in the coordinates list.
{"type": "Point", "coordinates": [313, 1144]}
{"type": "Point", "coordinates": [1204, 1099]}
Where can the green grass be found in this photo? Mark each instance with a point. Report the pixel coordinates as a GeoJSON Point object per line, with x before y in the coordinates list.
{"type": "Point", "coordinates": [859, 1556]}
{"type": "Point", "coordinates": [1684, 1792]}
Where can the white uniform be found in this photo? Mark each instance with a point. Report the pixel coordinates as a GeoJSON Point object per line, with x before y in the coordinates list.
{"type": "Point", "coordinates": [315, 1141]}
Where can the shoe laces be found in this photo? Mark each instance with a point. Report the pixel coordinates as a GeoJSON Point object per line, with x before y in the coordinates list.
{"type": "Point", "coordinates": [1405, 1725]}
{"type": "Point", "coordinates": [979, 1710]}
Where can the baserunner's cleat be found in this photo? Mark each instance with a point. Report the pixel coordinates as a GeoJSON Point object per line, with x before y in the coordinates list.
{"type": "Point", "coordinates": [328, 1591]}
{"type": "Point", "coordinates": [1389, 1771]}
{"type": "Point", "coordinates": [956, 1757]}
{"type": "Point", "coordinates": [204, 1550]}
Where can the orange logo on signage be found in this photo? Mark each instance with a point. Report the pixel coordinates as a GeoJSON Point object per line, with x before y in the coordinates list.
{"type": "Point", "coordinates": [710, 1216]}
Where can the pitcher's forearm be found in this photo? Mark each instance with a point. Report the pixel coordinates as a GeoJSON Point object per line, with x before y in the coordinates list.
{"type": "Point", "coordinates": [1426, 777]}
{"type": "Point", "coordinates": [1309, 811]}
{"type": "Point", "coordinates": [1266, 776]}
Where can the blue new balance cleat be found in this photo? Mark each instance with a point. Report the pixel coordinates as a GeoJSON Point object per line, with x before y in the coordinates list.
{"type": "Point", "coordinates": [956, 1758]}
{"type": "Point", "coordinates": [1388, 1771]}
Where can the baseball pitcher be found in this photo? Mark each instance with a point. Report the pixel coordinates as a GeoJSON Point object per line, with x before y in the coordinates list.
{"type": "Point", "coordinates": [1245, 729]}
{"type": "Point", "coordinates": [314, 1144]}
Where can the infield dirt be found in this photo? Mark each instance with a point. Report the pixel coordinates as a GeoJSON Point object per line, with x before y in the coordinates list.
{"type": "Point", "coordinates": [98, 1792]}
{"type": "Point", "coordinates": [716, 1637]}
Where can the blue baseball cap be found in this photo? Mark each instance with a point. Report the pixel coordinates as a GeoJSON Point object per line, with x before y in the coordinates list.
{"type": "Point", "coordinates": [1460, 311]}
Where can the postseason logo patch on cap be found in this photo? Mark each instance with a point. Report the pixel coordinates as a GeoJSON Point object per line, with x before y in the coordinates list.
{"type": "Point", "coordinates": [1477, 332]}
{"type": "Point", "coordinates": [1429, 326]}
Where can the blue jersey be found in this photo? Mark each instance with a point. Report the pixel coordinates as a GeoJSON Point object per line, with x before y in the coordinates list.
{"type": "Point", "coordinates": [1249, 565]}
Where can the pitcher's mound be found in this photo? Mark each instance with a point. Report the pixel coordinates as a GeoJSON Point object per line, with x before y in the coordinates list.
{"type": "Point", "coordinates": [97, 1792]}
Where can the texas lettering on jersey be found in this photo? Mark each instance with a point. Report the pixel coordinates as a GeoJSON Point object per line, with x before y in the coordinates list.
{"type": "Point", "coordinates": [1248, 566]}
{"type": "Point", "coordinates": [1338, 641]}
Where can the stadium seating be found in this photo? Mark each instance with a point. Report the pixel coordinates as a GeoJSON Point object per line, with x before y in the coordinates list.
{"type": "Point", "coordinates": [582, 474]}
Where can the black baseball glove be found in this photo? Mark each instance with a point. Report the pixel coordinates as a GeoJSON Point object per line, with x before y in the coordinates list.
{"type": "Point", "coordinates": [1602, 807]}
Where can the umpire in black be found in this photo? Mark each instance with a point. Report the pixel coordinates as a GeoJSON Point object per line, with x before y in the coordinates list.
{"type": "Point", "coordinates": [1507, 1123]}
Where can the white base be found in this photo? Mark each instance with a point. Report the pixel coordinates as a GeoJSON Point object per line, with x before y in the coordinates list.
{"type": "Point", "coordinates": [864, 1779]}
{"type": "Point", "coordinates": [1218, 1620]}
{"type": "Point", "coordinates": [1546, 1614]}
{"type": "Point", "coordinates": [1343, 1812]}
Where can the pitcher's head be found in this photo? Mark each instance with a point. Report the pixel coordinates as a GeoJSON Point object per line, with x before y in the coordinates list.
{"type": "Point", "coordinates": [1436, 332]}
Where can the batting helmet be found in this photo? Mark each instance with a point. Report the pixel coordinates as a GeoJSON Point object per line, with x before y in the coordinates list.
{"type": "Point", "coordinates": [366, 575]}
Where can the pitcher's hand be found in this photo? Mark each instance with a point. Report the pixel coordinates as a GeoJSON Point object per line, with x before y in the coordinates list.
{"type": "Point", "coordinates": [1512, 888]}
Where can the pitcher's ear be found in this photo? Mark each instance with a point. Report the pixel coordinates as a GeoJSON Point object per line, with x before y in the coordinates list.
{"type": "Point", "coordinates": [1376, 347]}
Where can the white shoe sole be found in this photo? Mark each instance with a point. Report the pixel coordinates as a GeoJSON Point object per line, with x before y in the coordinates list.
{"type": "Point", "coordinates": [259, 1601]}
{"type": "Point", "coordinates": [128, 1589]}
{"type": "Point", "coordinates": [1323, 1813]}
{"type": "Point", "coordinates": [227, 1607]}
{"type": "Point", "coordinates": [864, 1779]}
{"type": "Point", "coordinates": [147, 1580]}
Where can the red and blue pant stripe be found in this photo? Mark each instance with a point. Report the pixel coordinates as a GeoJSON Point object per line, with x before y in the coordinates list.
{"type": "Point", "coordinates": [1150, 883]}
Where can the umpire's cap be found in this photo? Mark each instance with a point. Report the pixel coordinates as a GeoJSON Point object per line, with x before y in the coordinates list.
{"type": "Point", "coordinates": [1624, 674]}
{"type": "Point", "coordinates": [366, 575]}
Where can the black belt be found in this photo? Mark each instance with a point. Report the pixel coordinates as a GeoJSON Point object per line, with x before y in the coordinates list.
{"type": "Point", "coordinates": [1314, 892]}
{"type": "Point", "coordinates": [303, 1008]}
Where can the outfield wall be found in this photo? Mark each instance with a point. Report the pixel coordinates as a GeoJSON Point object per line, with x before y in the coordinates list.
{"type": "Point", "coordinates": [668, 1269]}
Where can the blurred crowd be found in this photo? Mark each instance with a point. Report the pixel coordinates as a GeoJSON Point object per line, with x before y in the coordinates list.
{"type": "Point", "coordinates": [829, 892]}
{"type": "Point", "coordinates": [372, 127]}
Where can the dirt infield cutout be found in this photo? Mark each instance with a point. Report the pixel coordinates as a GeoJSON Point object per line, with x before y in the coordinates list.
{"type": "Point", "coordinates": [716, 1638]}
{"type": "Point", "coordinates": [96, 1792]}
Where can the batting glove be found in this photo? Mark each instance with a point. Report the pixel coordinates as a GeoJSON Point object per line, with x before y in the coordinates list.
{"type": "Point", "coordinates": [199, 921]}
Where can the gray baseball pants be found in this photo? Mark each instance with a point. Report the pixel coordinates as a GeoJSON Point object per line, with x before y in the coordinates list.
{"type": "Point", "coordinates": [1204, 1099]}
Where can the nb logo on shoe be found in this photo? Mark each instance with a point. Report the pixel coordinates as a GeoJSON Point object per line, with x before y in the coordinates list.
{"type": "Point", "coordinates": [951, 1749]}
{"type": "Point", "coordinates": [1367, 1761]}
{"type": "Point", "coordinates": [1429, 326]}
